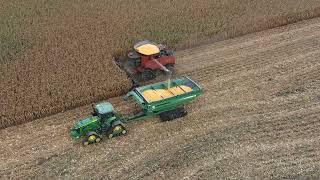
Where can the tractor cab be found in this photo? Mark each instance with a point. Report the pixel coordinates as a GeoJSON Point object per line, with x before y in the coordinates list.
{"type": "Point", "coordinates": [102, 116]}
{"type": "Point", "coordinates": [104, 110]}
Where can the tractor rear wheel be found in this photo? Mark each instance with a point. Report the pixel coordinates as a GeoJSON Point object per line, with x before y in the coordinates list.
{"type": "Point", "coordinates": [148, 74]}
{"type": "Point", "coordinates": [91, 138]}
{"type": "Point", "coordinates": [117, 129]}
{"type": "Point", "coordinates": [173, 114]}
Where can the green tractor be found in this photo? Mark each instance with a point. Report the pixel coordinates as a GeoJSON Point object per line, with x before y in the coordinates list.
{"type": "Point", "coordinates": [104, 121]}
{"type": "Point", "coordinates": [166, 99]}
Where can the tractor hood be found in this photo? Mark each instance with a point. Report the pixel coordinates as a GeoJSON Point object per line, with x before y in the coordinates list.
{"type": "Point", "coordinates": [75, 131]}
{"type": "Point", "coordinates": [75, 134]}
{"type": "Point", "coordinates": [85, 122]}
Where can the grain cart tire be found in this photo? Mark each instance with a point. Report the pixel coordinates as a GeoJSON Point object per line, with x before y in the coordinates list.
{"type": "Point", "coordinates": [148, 74]}
{"type": "Point", "coordinates": [173, 114]}
{"type": "Point", "coordinates": [118, 128]}
{"type": "Point", "coordinates": [91, 138]}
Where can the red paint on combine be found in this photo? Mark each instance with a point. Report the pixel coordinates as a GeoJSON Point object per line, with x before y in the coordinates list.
{"type": "Point", "coordinates": [148, 63]}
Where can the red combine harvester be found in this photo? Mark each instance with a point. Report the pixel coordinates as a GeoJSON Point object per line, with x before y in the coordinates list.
{"type": "Point", "coordinates": [147, 61]}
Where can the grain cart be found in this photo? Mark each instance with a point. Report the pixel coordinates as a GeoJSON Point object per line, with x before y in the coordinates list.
{"type": "Point", "coordinates": [146, 61]}
{"type": "Point", "coordinates": [166, 99]}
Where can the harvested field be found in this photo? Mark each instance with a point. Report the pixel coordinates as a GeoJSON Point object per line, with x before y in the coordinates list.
{"type": "Point", "coordinates": [259, 118]}
{"type": "Point", "coordinates": [56, 55]}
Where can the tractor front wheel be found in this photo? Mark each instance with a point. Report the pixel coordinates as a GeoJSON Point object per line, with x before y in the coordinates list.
{"type": "Point", "coordinates": [91, 138]}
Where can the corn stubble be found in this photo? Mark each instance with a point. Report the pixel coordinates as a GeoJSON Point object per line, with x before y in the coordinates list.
{"type": "Point", "coordinates": [68, 60]}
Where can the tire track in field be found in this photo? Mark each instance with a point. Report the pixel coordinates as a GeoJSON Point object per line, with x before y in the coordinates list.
{"type": "Point", "coordinates": [262, 59]}
{"type": "Point", "coordinates": [260, 39]}
{"type": "Point", "coordinates": [201, 59]}
{"type": "Point", "coordinates": [256, 68]}
{"type": "Point", "coordinates": [243, 51]}
{"type": "Point", "coordinates": [232, 133]}
{"type": "Point", "coordinates": [304, 75]}
{"type": "Point", "coordinates": [302, 67]}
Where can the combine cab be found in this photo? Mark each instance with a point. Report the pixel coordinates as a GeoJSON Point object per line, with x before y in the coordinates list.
{"type": "Point", "coordinates": [147, 61]}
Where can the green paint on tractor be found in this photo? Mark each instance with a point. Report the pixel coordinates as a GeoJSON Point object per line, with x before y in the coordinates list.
{"type": "Point", "coordinates": [105, 121]}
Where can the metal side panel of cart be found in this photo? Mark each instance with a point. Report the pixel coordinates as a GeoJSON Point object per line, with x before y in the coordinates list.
{"type": "Point", "coordinates": [168, 103]}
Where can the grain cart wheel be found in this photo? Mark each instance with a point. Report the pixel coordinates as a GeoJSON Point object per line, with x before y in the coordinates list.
{"type": "Point", "coordinates": [173, 114]}
{"type": "Point", "coordinates": [91, 138]}
{"type": "Point", "coordinates": [117, 129]}
{"type": "Point", "coordinates": [148, 74]}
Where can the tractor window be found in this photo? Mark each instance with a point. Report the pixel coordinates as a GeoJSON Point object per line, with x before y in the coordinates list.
{"type": "Point", "coordinates": [106, 116]}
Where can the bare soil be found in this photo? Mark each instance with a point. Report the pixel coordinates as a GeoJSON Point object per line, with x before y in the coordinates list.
{"type": "Point", "coordinates": [259, 117]}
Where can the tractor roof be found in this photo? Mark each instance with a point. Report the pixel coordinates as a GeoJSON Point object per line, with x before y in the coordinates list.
{"type": "Point", "coordinates": [104, 108]}
{"type": "Point", "coordinates": [146, 48]}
